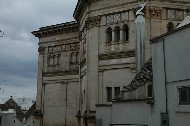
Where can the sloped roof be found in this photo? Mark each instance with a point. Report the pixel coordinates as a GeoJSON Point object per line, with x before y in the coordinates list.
{"type": "Point", "coordinates": [31, 111]}
{"type": "Point", "coordinates": [11, 104]}
{"type": "Point", "coordinates": [184, 22]}
{"type": "Point", "coordinates": [1, 101]}
{"type": "Point", "coordinates": [145, 75]}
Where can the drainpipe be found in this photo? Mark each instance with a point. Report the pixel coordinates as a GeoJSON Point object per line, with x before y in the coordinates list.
{"type": "Point", "coordinates": [165, 81]}
{"type": "Point", "coordinates": [66, 83]}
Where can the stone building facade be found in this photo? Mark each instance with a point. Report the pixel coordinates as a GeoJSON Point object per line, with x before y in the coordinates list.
{"type": "Point", "coordinates": [58, 76]}
{"type": "Point", "coordinates": [106, 56]}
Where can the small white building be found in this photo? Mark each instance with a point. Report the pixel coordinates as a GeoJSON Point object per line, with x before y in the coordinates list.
{"type": "Point", "coordinates": [159, 95]}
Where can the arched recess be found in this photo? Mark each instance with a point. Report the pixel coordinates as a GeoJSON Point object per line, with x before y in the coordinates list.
{"type": "Point", "coordinates": [170, 26]}
{"type": "Point", "coordinates": [125, 32]}
{"type": "Point", "coordinates": [77, 57]}
{"type": "Point", "coordinates": [72, 58]}
{"type": "Point", "coordinates": [117, 34]}
{"type": "Point", "coordinates": [108, 35]}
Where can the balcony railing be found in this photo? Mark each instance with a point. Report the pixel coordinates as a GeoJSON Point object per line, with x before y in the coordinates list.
{"type": "Point", "coordinates": [116, 47]}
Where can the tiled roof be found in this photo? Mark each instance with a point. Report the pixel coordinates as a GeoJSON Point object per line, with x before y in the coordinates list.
{"type": "Point", "coordinates": [145, 75]}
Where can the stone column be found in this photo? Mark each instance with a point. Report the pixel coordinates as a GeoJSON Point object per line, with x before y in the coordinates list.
{"type": "Point", "coordinates": [121, 34]}
{"type": "Point", "coordinates": [113, 35]}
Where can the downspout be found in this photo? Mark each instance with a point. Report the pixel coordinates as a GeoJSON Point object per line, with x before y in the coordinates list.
{"type": "Point", "coordinates": [80, 86]}
{"type": "Point", "coordinates": [165, 81]}
{"type": "Point", "coordinates": [66, 83]}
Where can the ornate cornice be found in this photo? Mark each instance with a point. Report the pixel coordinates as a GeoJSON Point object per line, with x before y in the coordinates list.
{"type": "Point", "coordinates": [41, 50]}
{"type": "Point", "coordinates": [92, 22]}
{"type": "Point", "coordinates": [61, 73]}
{"type": "Point", "coordinates": [56, 29]}
{"type": "Point", "coordinates": [155, 12]}
{"type": "Point", "coordinates": [117, 55]}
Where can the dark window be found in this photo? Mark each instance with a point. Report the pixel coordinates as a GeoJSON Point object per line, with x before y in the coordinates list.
{"type": "Point", "coordinates": [117, 34]}
{"type": "Point", "coordinates": [0, 120]}
{"type": "Point", "coordinates": [109, 35]}
{"type": "Point", "coordinates": [184, 96]}
{"type": "Point", "coordinates": [149, 91]}
{"type": "Point", "coordinates": [77, 57]}
{"type": "Point", "coordinates": [126, 33]}
{"type": "Point", "coordinates": [170, 26]}
{"type": "Point", "coordinates": [72, 58]}
{"type": "Point", "coordinates": [117, 91]}
{"type": "Point", "coordinates": [109, 94]}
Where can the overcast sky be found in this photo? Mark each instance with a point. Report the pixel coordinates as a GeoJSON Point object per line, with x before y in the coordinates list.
{"type": "Point", "coordinates": [18, 47]}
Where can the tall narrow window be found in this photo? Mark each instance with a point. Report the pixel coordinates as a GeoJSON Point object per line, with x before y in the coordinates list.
{"type": "Point", "coordinates": [170, 26]}
{"type": "Point", "coordinates": [117, 91]}
{"type": "Point", "coordinates": [149, 91]}
{"type": "Point", "coordinates": [117, 34]}
{"type": "Point", "coordinates": [126, 33]}
{"type": "Point", "coordinates": [109, 93]}
{"type": "Point", "coordinates": [109, 35]}
{"type": "Point", "coordinates": [77, 57]}
{"type": "Point", "coordinates": [72, 58]}
{"type": "Point", "coordinates": [184, 96]}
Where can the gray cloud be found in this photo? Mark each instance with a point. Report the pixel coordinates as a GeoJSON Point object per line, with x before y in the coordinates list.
{"type": "Point", "coordinates": [18, 47]}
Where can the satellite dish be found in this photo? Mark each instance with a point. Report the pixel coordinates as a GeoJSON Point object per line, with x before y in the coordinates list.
{"type": "Point", "coordinates": [1, 33]}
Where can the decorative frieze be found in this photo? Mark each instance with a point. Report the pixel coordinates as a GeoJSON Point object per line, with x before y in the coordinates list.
{"type": "Point", "coordinates": [116, 47]}
{"type": "Point", "coordinates": [113, 18]}
{"type": "Point", "coordinates": [117, 55]}
{"type": "Point", "coordinates": [64, 48]}
{"type": "Point", "coordinates": [155, 12]}
{"type": "Point", "coordinates": [175, 14]}
{"type": "Point", "coordinates": [41, 50]}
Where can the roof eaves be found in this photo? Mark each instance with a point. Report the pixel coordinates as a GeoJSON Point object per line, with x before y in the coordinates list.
{"type": "Point", "coordinates": [153, 40]}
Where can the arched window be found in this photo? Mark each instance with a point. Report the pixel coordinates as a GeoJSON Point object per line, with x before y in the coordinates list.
{"type": "Point", "coordinates": [50, 60]}
{"type": "Point", "coordinates": [170, 26]}
{"type": "Point", "coordinates": [117, 34]}
{"type": "Point", "coordinates": [72, 58]}
{"type": "Point", "coordinates": [125, 33]}
{"type": "Point", "coordinates": [109, 35]}
{"type": "Point", "coordinates": [77, 57]}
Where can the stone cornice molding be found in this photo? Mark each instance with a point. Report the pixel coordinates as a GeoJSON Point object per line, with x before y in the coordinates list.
{"type": "Point", "coordinates": [56, 29]}
{"type": "Point", "coordinates": [115, 55]}
{"type": "Point", "coordinates": [81, 6]}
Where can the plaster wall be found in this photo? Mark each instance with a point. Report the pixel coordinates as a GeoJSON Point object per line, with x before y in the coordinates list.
{"type": "Point", "coordinates": [103, 115]}
{"type": "Point", "coordinates": [9, 119]}
{"type": "Point", "coordinates": [131, 113]}
{"type": "Point", "coordinates": [177, 49]}
{"type": "Point", "coordinates": [115, 78]}
{"type": "Point", "coordinates": [158, 82]}
{"type": "Point", "coordinates": [178, 114]}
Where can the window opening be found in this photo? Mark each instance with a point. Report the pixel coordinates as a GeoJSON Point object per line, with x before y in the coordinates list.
{"type": "Point", "coordinates": [170, 26]}
{"type": "Point", "coordinates": [109, 93]}
{"type": "Point", "coordinates": [126, 33]}
{"type": "Point", "coordinates": [117, 91]}
{"type": "Point", "coordinates": [149, 91]}
{"type": "Point", "coordinates": [109, 35]}
{"type": "Point", "coordinates": [184, 96]}
{"type": "Point", "coordinates": [117, 34]}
